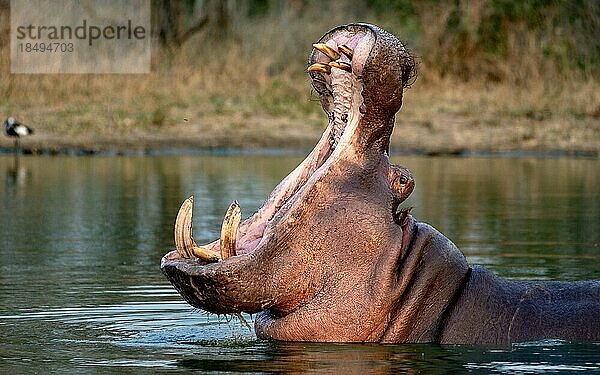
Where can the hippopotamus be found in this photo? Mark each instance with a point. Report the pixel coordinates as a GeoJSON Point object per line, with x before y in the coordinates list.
{"type": "Point", "coordinates": [330, 256]}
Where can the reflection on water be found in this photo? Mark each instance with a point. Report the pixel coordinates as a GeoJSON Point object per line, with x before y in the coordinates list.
{"type": "Point", "coordinates": [16, 175]}
{"type": "Point", "coordinates": [81, 239]}
{"type": "Point", "coordinates": [522, 217]}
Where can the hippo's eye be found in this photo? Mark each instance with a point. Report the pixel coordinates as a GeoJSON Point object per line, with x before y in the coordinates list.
{"type": "Point", "coordinates": [403, 180]}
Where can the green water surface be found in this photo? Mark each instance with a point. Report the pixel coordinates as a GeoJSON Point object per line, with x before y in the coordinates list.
{"type": "Point", "coordinates": [81, 240]}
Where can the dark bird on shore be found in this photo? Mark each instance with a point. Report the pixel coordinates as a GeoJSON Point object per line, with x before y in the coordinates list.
{"type": "Point", "coordinates": [16, 130]}
{"type": "Point", "coordinates": [13, 128]}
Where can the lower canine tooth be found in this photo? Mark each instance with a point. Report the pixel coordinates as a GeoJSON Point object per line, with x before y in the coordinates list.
{"type": "Point", "coordinates": [341, 65]}
{"type": "Point", "coordinates": [229, 230]}
{"type": "Point", "coordinates": [330, 52]}
{"type": "Point", "coordinates": [319, 67]}
{"type": "Point", "coordinates": [184, 241]}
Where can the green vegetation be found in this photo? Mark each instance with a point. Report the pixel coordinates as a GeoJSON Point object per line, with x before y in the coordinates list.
{"type": "Point", "coordinates": [493, 75]}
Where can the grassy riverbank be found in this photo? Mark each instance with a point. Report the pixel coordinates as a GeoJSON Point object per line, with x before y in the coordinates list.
{"type": "Point", "coordinates": [441, 117]}
{"type": "Point", "coordinates": [249, 89]}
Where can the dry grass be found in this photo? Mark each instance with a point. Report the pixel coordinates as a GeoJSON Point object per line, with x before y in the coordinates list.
{"type": "Point", "coordinates": [251, 91]}
{"type": "Point", "coordinates": [455, 117]}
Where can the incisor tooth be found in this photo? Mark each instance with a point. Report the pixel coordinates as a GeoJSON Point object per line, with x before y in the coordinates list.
{"type": "Point", "coordinates": [184, 241]}
{"type": "Point", "coordinates": [319, 67]}
{"type": "Point", "coordinates": [229, 230]}
{"type": "Point", "coordinates": [330, 52]}
{"type": "Point", "coordinates": [205, 254]}
{"type": "Point", "coordinates": [345, 50]}
{"type": "Point", "coordinates": [341, 65]}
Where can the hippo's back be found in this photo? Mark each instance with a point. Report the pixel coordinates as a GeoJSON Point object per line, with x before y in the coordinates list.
{"type": "Point", "coordinates": [494, 311]}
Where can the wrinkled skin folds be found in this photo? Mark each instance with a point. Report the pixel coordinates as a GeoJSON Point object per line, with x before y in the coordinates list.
{"type": "Point", "coordinates": [331, 257]}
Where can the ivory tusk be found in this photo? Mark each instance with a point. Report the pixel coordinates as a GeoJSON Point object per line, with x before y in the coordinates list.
{"type": "Point", "coordinates": [319, 67]}
{"type": "Point", "coordinates": [328, 51]}
{"type": "Point", "coordinates": [184, 240]}
{"type": "Point", "coordinates": [345, 50]}
{"type": "Point", "coordinates": [341, 65]}
{"type": "Point", "coordinates": [229, 230]}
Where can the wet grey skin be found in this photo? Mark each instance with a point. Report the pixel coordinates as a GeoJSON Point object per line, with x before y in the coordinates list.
{"type": "Point", "coordinates": [330, 257]}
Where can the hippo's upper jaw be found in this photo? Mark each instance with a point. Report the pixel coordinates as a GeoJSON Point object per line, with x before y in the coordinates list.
{"type": "Point", "coordinates": [326, 247]}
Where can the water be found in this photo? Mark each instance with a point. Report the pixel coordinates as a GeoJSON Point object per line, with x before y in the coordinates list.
{"type": "Point", "coordinates": [81, 239]}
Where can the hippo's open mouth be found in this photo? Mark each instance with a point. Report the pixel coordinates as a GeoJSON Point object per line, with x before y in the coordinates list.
{"type": "Point", "coordinates": [265, 262]}
{"type": "Point", "coordinates": [335, 66]}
